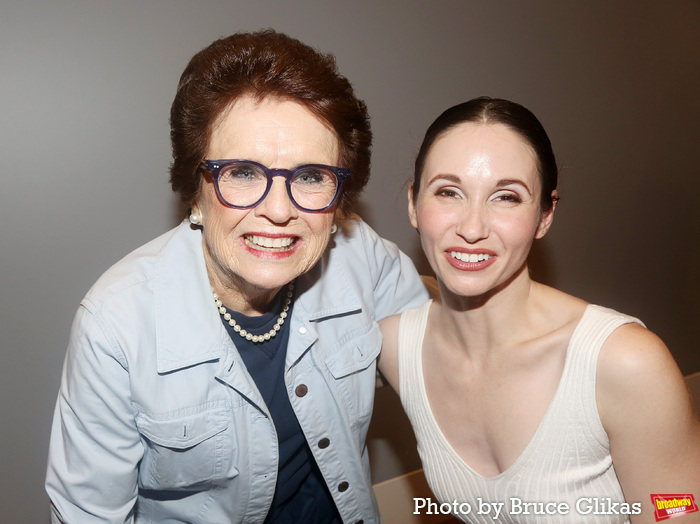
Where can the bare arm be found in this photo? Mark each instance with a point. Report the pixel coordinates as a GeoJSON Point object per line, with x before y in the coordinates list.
{"type": "Point", "coordinates": [647, 412]}
{"type": "Point", "coordinates": [389, 358]}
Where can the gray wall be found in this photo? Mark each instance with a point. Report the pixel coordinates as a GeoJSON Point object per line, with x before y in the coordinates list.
{"type": "Point", "coordinates": [85, 89]}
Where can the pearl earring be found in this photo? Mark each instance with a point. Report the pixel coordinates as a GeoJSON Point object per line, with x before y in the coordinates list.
{"type": "Point", "coordinates": [195, 218]}
{"type": "Point", "coordinates": [334, 228]}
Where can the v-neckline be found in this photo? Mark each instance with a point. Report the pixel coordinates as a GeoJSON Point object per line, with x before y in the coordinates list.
{"type": "Point", "coordinates": [532, 443]}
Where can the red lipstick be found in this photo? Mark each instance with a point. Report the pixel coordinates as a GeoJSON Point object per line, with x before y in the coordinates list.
{"type": "Point", "coordinates": [470, 259]}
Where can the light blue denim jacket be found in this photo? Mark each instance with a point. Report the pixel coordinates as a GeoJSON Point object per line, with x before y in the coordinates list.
{"type": "Point", "coordinates": [157, 418]}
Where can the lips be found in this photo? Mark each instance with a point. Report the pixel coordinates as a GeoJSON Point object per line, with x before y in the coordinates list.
{"type": "Point", "coordinates": [273, 244]}
{"type": "Point", "coordinates": [470, 257]}
{"type": "Point", "coordinates": [471, 260]}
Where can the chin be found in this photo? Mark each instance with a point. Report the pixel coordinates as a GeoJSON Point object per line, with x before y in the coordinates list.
{"type": "Point", "coordinates": [465, 291]}
{"type": "Point", "coordinates": [272, 283]}
{"type": "Point", "coordinates": [470, 285]}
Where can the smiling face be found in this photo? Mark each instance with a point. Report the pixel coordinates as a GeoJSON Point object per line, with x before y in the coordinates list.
{"type": "Point", "coordinates": [478, 207]}
{"type": "Point", "coordinates": [251, 253]}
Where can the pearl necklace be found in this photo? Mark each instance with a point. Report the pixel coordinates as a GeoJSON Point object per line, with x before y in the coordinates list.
{"type": "Point", "coordinates": [249, 336]}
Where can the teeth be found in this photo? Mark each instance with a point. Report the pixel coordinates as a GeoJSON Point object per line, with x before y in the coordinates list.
{"type": "Point", "coordinates": [466, 257]}
{"type": "Point", "coordinates": [280, 243]}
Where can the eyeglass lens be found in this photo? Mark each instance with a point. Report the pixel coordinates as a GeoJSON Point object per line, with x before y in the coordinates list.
{"type": "Point", "coordinates": [243, 184]}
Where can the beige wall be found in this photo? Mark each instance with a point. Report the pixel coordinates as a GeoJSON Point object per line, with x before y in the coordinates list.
{"type": "Point", "coordinates": [85, 89]}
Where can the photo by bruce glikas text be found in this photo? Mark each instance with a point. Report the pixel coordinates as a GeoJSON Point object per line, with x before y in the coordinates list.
{"type": "Point", "coordinates": [591, 506]}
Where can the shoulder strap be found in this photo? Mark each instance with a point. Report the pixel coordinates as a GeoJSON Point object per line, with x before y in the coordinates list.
{"type": "Point", "coordinates": [578, 382]}
{"type": "Point", "coordinates": [412, 326]}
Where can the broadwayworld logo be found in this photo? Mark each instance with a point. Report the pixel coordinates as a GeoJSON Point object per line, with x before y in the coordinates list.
{"type": "Point", "coordinates": [667, 506]}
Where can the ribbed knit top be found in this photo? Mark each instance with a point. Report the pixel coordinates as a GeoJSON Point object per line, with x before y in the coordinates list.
{"type": "Point", "coordinates": [567, 460]}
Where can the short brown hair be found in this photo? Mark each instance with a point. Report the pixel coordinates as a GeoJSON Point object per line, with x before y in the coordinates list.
{"type": "Point", "coordinates": [265, 64]}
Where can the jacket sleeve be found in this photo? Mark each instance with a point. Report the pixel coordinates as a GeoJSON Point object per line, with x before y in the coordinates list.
{"type": "Point", "coordinates": [397, 284]}
{"type": "Point", "coordinates": [94, 449]}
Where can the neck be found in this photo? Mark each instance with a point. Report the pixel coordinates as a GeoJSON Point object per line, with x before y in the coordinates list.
{"type": "Point", "coordinates": [245, 298]}
{"type": "Point", "coordinates": [496, 319]}
{"type": "Point", "coordinates": [238, 294]}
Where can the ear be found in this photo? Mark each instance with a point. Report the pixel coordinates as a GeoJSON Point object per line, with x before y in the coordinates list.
{"type": "Point", "coordinates": [412, 207]}
{"type": "Point", "coordinates": [547, 217]}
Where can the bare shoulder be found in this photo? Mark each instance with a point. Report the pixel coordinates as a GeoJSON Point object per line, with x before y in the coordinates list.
{"type": "Point", "coordinates": [635, 368]}
{"type": "Point", "coordinates": [389, 358]}
{"type": "Point", "coordinates": [646, 410]}
{"type": "Point", "coordinates": [632, 355]}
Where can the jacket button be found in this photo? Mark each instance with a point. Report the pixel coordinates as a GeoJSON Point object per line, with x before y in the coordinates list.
{"type": "Point", "coordinates": [301, 390]}
{"type": "Point", "coordinates": [343, 486]}
{"type": "Point", "coordinates": [324, 443]}
{"type": "Point", "coordinates": [360, 521]}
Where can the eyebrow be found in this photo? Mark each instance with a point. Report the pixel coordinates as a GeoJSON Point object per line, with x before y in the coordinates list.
{"type": "Point", "coordinates": [505, 182]}
{"type": "Point", "coordinates": [450, 178]}
{"type": "Point", "coordinates": [513, 181]}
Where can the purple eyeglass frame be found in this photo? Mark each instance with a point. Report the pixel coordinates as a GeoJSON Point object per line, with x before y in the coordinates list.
{"type": "Point", "coordinates": [215, 166]}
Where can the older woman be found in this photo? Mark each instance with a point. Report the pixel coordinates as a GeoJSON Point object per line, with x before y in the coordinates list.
{"type": "Point", "coordinates": [529, 405]}
{"type": "Point", "coordinates": [225, 371]}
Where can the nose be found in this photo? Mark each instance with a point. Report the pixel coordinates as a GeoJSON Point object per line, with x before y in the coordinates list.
{"type": "Point", "coordinates": [276, 206]}
{"type": "Point", "coordinates": [473, 223]}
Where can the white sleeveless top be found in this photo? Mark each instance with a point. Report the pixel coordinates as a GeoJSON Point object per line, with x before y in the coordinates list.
{"type": "Point", "coordinates": [567, 461]}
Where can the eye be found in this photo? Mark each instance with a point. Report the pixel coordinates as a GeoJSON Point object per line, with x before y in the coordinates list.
{"type": "Point", "coordinates": [508, 198]}
{"type": "Point", "coordinates": [313, 176]}
{"type": "Point", "coordinates": [446, 192]}
{"type": "Point", "coordinates": [241, 172]}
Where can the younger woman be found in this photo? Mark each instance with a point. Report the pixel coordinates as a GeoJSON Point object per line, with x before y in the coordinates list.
{"type": "Point", "coordinates": [526, 402]}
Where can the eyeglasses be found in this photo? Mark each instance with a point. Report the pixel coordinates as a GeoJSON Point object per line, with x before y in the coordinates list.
{"type": "Point", "coordinates": [242, 184]}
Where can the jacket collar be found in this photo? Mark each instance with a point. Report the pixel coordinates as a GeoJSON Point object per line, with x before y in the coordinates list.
{"type": "Point", "coordinates": [327, 290]}
{"type": "Point", "coordinates": [188, 328]}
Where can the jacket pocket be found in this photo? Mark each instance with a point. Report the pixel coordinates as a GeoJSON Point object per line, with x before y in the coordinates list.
{"type": "Point", "coordinates": [357, 354]}
{"type": "Point", "coordinates": [353, 370]}
{"type": "Point", "coordinates": [184, 449]}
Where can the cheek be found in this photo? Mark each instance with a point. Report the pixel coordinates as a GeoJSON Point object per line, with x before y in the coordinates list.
{"type": "Point", "coordinates": [319, 227]}
{"type": "Point", "coordinates": [223, 222]}
{"type": "Point", "coordinates": [215, 214]}
{"type": "Point", "coordinates": [317, 248]}
{"type": "Point", "coordinates": [433, 221]}
{"type": "Point", "coordinates": [516, 230]}
{"type": "Point", "coordinates": [219, 226]}
{"type": "Point", "coordinates": [319, 223]}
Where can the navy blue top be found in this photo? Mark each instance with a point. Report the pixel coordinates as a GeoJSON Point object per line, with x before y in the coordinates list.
{"type": "Point", "coordinates": [301, 494]}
